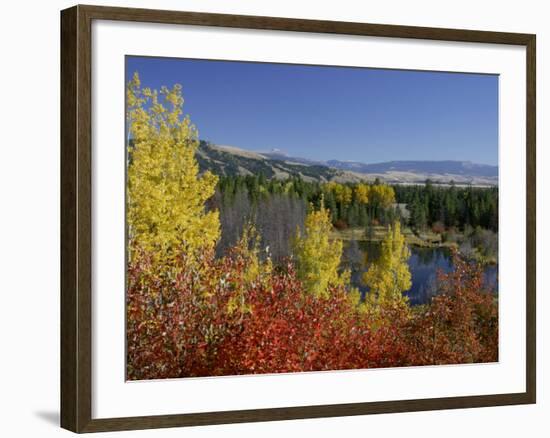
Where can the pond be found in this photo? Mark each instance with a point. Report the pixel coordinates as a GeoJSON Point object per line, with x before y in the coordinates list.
{"type": "Point", "coordinates": [424, 264]}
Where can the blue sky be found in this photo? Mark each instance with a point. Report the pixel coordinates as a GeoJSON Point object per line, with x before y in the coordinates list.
{"type": "Point", "coordinates": [322, 113]}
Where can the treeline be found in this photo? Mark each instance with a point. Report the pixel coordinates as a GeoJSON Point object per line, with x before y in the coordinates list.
{"type": "Point", "coordinates": [357, 204]}
{"type": "Point", "coordinates": [450, 206]}
{"type": "Point", "coordinates": [349, 204]}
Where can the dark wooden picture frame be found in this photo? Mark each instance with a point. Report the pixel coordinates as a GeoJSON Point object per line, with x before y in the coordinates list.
{"type": "Point", "coordinates": [76, 218]}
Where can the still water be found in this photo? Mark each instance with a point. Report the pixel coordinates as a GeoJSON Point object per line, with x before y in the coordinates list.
{"type": "Point", "coordinates": [424, 264]}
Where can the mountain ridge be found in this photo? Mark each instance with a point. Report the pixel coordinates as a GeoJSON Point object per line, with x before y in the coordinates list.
{"type": "Point", "coordinates": [231, 160]}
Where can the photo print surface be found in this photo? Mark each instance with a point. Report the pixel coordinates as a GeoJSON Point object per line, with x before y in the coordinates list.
{"type": "Point", "coordinates": [289, 218]}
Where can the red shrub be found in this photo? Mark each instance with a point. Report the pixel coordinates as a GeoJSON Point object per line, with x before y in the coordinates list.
{"type": "Point", "coordinates": [461, 324]}
{"type": "Point", "coordinates": [341, 224]}
{"type": "Point", "coordinates": [179, 323]}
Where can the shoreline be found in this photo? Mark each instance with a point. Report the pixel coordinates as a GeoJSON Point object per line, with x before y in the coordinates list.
{"type": "Point", "coordinates": [426, 239]}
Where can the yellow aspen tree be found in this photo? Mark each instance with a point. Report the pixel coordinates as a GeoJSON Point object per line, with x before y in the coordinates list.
{"type": "Point", "coordinates": [166, 196]}
{"type": "Point", "coordinates": [329, 187]}
{"type": "Point", "coordinates": [388, 196]}
{"type": "Point", "coordinates": [318, 257]}
{"type": "Point", "coordinates": [255, 270]}
{"type": "Point", "coordinates": [382, 195]}
{"type": "Point", "coordinates": [361, 193]}
{"type": "Point", "coordinates": [342, 193]}
{"type": "Point", "coordinates": [390, 276]}
{"type": "Point", "coordinates": [346, 195]}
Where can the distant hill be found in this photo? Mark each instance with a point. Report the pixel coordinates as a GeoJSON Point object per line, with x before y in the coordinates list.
{"type": "Point", "coordinates": [466, 168]}
{"type": "Point", "coordinates": [230, 160]}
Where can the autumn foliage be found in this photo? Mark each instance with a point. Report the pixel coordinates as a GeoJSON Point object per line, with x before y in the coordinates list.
{"type": "Point", "coordinates": [461, 324]}
{"type": "Point", "coordinates": [181, 323]}
{"type": "Point", "coordinates": [165, 192]}
{"type": "Point", "coordinates": [192, 313]}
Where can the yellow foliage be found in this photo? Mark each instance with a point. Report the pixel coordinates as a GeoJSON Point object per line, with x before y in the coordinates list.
{"type": "Point", "coordinates": [254, 269]}
{"type": "Point", "coordinates": [382, 195]}
{"type": "Point", "coordinates": [165, 194]}
{"type": "Point", "coordinates": [342, 193]}
{"type": "Point", "coordinates": [317, 257]}
{"type": "Point", "coordinates": [361, 192]}
{"type": "Point", "coordinates": [248, 249]}
{"type": "Point", "coordinates": [390, 276]}
{"type": "Point", "coordinates": [354, 296]}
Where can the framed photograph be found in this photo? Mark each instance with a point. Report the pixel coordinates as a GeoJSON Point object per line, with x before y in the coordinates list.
{"type": "Point", "coordinates": [270, 218]}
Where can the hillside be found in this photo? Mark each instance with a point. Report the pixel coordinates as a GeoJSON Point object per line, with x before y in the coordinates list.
{"type": "Point", "coordinates": [441, 167]}
{"type": "Point", "coordinates": [230, 160]}
{"type": "Point", "coordinates": [226, 160]}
